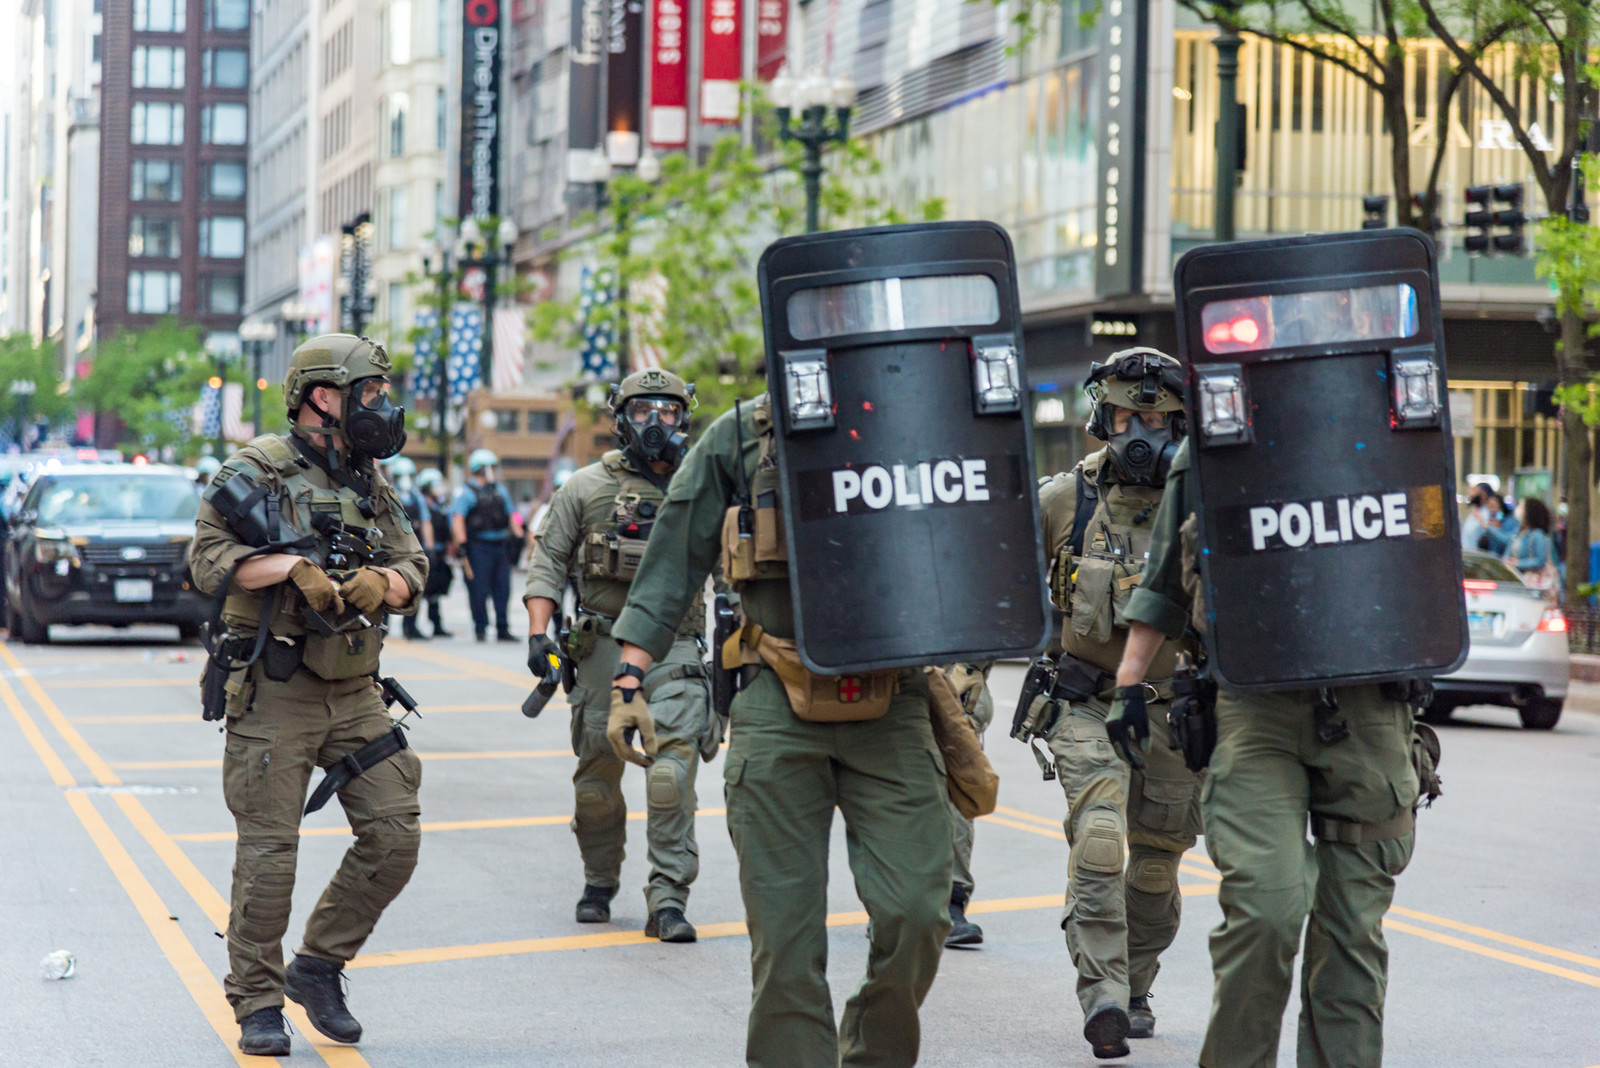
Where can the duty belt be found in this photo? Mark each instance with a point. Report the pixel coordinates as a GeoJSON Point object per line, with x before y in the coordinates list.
{"type": "Point", "coordinates": [1349, 832]}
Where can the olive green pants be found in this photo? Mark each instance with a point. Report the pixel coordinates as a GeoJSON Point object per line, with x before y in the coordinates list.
{"type": "Point", "coordinates": [680, 708]}
{"type": "Point", "coordinates": [1270, 769]}
{"type": "Point", "coordinates": [784, 777]}
{"type": "Point", "coordinates": [1121, 915]}
{"type": "Point", "coordinates": [293, 728]}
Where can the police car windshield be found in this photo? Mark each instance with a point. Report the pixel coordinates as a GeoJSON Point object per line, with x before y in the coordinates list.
{"type": "Point", "coordinates": [893, 304]}
{"type": "Point", "coordinates": [1324, 317]}
{"type": "Point", "coordinates": [97, 498]}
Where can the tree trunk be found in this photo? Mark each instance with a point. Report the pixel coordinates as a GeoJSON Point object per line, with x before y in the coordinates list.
{"type": "Point", "coordinates": [1576, 455]}
{"type": "Point", "coordinates": [1394, 108]}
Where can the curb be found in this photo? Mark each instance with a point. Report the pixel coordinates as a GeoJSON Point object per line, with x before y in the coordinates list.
{"type": "Point", "coordinates": [1585, 667]}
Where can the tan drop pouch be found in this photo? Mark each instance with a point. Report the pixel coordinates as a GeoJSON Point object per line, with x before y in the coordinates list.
{"type": "Point", "coordinates": [817, 698]}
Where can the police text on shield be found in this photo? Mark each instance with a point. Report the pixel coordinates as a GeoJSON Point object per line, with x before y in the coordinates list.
{"type": "Point", "coordinates": [879, 486]}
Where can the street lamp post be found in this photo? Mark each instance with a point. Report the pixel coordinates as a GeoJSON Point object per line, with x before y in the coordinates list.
{"type": "Point", "coordinates": [23, 390]}
{"type": "Point", "coordinates": [355, 303]}
{"type": "Point", "coordinates": [1228, 129]}
{"type": "Point", "coordinates": [488, 252]}
{"type": "Point", "coordinates": [258, 333]}
{"type": "Point", "coordinates": [622, 150]}
{"type": "Point", "coordinates": [434, 252]}
{"type": "Point", "coordinates": [812, 96]}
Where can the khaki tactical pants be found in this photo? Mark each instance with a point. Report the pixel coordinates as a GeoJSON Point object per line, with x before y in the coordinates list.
{"type": "Point", "coordinates": [783, 779]}
{"type": "Point", "coordinates": [1120, 916]}
{"type": "Point", "coordinates": [681, 709]}
{"type": "Point", "coordinates": [1270, 769]}
{"type": "Point", "coordinates": [293, 728]}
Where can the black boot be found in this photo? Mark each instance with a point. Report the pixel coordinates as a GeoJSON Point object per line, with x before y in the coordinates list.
{"type": "Point", "coordinates": [1107, 1031]}
{"type": "Point", "coordinates": [263, 1034]}
{"type": "Point", "coordinates": [963, 932]}
{"type": "Point", "coordinates": [595, 904]}
{"type": "Point", "coordinates": [1141, 1018]}
{"type": "Point", "coordinates": [436, 617]}
{"type": "Point", "coordinates": [313, 983]}
{"type": "Point", "coordinates": [669, 925]}
{"type": "Point", "coordinates": [409, 628]}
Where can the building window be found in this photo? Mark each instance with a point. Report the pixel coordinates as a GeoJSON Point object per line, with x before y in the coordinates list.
{"type": "Point", "coordinates": [226, 68]}
{"type": "Point", "coordinates": [157, 124]}
{"type": "Point", "coordinates": [224, 294]}
{"type": "Point", "coordinates": [153, 235]}
{"type": "Point", "coordinates": [159, 16]}
{"type": "Point", "coordinates": [223, 124]}
{"type": "Point", "coordinates": [157, 179]}
{"type": "Point", "coordinates": [541, 422]}
{"type": "Point", "coordinates": [441, 117]}
{"type": "Point", "coordinates": [94, 49]}
{"type": "Point", "coordinates": [397, 32]}
{"type": "Point", "coordinates": [397, 304]}
{"type": "Point", "coordinates": [227, 14]}
{"type": "Point", "coordinates": [222, 237]}
{"type": "Point", "coordinates": [225, 182]}
{"type": "Point", "coordinates": [397, 217]}
{"type": "Point", "coordinates": [157, 67]}
{"type": "Point", "coordinates": [154, 292]}
{"type": "Point", "coordinates": [399, 104]}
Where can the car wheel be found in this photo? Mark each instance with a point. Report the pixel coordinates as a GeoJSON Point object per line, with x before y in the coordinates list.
{"type": "Point", "coordinates": [1438, 711]}
{"type": "Point", "coordinates": [29, 629]}
{"type": "Point", "coordinates": [1540, 713]}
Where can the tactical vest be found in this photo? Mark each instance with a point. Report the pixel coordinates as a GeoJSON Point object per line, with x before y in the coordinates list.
{"type": "Point", "coordinates": [609, 551]}
{"type": "Point", "coordinates": [1098, 568]}
{"type": "Point", "coordinates": [764, 553]}
{"type": "Point", "coordinates": [488, 513]}
{"type": "Point", "coordinates": [342, 656]}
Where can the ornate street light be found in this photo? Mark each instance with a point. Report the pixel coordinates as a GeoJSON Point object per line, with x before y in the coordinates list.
{"type": "Point", "coordinates": [813, 96]}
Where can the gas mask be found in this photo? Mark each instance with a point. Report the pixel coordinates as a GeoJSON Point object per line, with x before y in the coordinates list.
{"type": "Point", "coordinates": [373, 426]}
{"type": "Point", "coordinates": [1142, 455]}
{"type": "Point", "coordinates": [1139, 381]}
{"type": "Point", "coordinates": [655, 429]}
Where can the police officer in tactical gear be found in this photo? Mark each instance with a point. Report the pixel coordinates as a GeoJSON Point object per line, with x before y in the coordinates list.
{"type": "Point", "coordinates": [307, 699]}
{"type": "Point", "coordinates": [488, 532]}
{"type": "Point", "coordinates": [401, 472]}
{"type": "Point", "coordinates": [431, 484]}
{"type": "Point", "coordinates": [1120, 914]}
{"type": "Point", "coordinates": [594, 534]}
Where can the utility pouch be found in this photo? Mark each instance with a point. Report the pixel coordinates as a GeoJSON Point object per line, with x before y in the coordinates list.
{"type": "Point", "coordinates": [587, 630]}
{"type": "Point", "coordinates": [1077, 680]}
{"type": "Point", "coordinates": [823, 698]}
{"type": "Point", "coordinates": [1425, 755]}
{"type": "Point", "coordinates": [738, 554]}
{"type": "Point", "coordinates": [1091, 599]}
{"type": "Point", "coordinates": [343, 656]}
{"type": "Point", "coordinates": [970, 780]}
{"type": "Point", "coordinates": [281, 658]}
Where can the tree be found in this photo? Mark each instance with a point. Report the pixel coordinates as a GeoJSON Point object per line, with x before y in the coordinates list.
{"type": "Point", "coordinates": [150, 380]}
{"type": "Point", "coordinates": [680, 255]}
{"type": "Point", "coordinates": [30, 383]}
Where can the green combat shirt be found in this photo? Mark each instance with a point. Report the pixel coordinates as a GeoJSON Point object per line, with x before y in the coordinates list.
{"type": "Point", "coordinates": [687, 542]}
{"type": "Point", "coordinates": [1161, 599]}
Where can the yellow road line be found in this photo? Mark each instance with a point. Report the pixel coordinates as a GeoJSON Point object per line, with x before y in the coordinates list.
{"type": "Point", "coordinates": [191, 717]}
{"type": "Point", "coordinates": [1029, 816]}
{"type": "Point", "coordinates": [438, 825]}
{"type": "Point", "coordinates": [193, 680]}
{"type": "Point", "coordinates": [606, 939]}
{"type": "Point", "coordinates": [522, 680]}
{"type": "Point", "coordinates": [1496, 954]}
{"type": "Point", "coordinates": [180, 952]}
{"type": "Point", "coordinates": [505, 754]}
{"type": "Point", "coordinates": [1496, 936]}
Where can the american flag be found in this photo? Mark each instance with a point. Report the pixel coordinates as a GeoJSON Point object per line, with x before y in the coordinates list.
{"type": "Point", "coordinates": [510, 340]}
{"type": "Point", "coordinates": [652, 293]}
{"type": "Point", "coordinates": [598, 352]}
{"type": "Point", "coordinates": [221, 410]}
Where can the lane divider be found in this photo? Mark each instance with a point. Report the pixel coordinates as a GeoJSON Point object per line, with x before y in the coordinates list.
{"type": "Point", "coordinates": [504, 754]}
{"type": "Point", "coordinates": [436, 825]}
{"type": "Point", "coordinates": [193, 680]}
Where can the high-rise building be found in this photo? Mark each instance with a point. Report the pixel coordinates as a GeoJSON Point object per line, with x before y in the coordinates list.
{"type": "Point", "coordinates": [346, 106]}
{"type": "Point", "coordinates": [174, 126]}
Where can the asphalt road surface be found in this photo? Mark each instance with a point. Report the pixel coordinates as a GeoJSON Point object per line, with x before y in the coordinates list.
{"type": "Point", "coordinates": [116, 846]}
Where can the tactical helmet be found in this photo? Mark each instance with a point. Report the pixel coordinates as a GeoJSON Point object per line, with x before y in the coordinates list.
{"type": "Point", "coordinates": [401, 466]}
{"type": "Point", "coordinates": [480, 459]}
{"type": "Point", "coordinates": [208, 465]}
{"type": "Point", "coordinates": [429, 477]}
{"type": "Point", "coordinates": [334, 360]}
{"type": "Point", "coordinates": [1140, 380]}
{"type": "Point", "coordinates": [652, 439]}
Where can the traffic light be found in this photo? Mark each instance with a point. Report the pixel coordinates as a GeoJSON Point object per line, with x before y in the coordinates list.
{"type": "Point", "coordinates": [1511, 218]}
{"type": "Point", "coordinates": [1376, 209]}
{"type": "Point", "coordinates": [1479, 219]}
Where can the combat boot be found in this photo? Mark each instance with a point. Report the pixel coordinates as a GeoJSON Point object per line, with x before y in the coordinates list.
{"type": "Point", "coordinates": [963, 932]}
{"type": "Point", "coordinates": [263, 1034]}
{"type": "Point", "coordinates": [1141, 1018]}
{"type": "Point", "coordinates": [595, 904]}
{"type": "Point", "coordinates": [670, 925]}
{"type": "Point", "coordinates": [1107, 1031]}
{"type": "Point", "coordinates": [409, 628]}
{"type": "Point", "coordinates": [314, 984]}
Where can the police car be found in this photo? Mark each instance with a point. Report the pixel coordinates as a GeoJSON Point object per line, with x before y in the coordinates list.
{"type": "Point", "coordinates": [1518, 655]}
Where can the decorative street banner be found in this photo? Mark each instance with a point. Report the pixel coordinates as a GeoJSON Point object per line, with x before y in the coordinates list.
{"type": "Point", "coordinates": [624, 64]}
{"type": "Point", "coordinates": [1120, 144]}
{"type": "Point", "coordinates": [316, 283]}
{"type": "Point", "coordinates": [583, 89]}
{"type": "Point", "coordinates": [772, 37]}
{"type": "Point", "coordinates": [721, 62]}
{"type": "Point", "coordinates": [669, 74]}
{"type": "Point", "coordinates": [480, 109]}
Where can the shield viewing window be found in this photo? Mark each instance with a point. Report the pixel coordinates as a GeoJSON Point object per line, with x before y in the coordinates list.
{"type": "Point", "coordinates": [893, 304]}
{"type": "Point", "coordinates": [1323, 317]}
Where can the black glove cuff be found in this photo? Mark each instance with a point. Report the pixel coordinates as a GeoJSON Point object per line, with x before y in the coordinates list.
{"type": "Point", "coordinates": [1128, 693]}
{"type": "Point", "coordinates": [629, 669]}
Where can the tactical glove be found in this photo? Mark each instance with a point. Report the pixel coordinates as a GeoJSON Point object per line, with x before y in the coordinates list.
{"type": "Point", "coordinates": [1128, 722]}
{"type": "Point", "coordinates": [629, 711]}
{"type": "Point", "coordinates": [317, 588]}
{"type": "Point", "coordinates": [365, 589]}
{"type": "Point", "coordinates": [544, 656]}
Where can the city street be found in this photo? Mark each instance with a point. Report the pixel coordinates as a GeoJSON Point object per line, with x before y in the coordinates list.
{"type": "Point", "coordinates": [117, 846]}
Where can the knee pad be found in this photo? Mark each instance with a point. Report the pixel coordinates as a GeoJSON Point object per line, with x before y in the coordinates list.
{"type": "Point", "coordinates": [593, 804]}
{"type": "Point", "coordinates": [1099, 848]}
{"type": "Point", "coordinates": [661, 785]}
{"type": "Point", "coordinates": [1154, 874]}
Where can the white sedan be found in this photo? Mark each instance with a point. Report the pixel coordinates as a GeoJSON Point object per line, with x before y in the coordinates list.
{"type": "Point", "coordinates": [1518, 656]}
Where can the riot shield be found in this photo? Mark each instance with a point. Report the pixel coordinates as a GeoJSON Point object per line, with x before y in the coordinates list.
{"type": "Point", "coordinates": [1322, 459]}
{"type": "Point", "coordinates": [894, 356]}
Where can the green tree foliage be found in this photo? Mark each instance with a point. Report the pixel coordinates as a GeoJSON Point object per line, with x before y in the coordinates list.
{"type": "Point", "coordinates": [150, 380]}
{"type": "Point", "coordinates": [21, 361]}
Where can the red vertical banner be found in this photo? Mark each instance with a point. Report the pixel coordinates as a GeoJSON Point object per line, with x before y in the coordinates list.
{"type": "Point", "coordinates": [772, 37]}
{"type": "Point", "coordinates": [669, 74]}
{"type": "Point", "coordinates": [722, 62]}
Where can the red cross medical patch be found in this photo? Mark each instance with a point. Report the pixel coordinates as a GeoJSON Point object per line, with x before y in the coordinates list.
{"type": "Point", "coordinates": [850, 689]}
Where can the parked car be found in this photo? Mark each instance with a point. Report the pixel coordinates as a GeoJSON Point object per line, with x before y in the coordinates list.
{"type": "Point", "coordinates": [1518, 655]}
{"type": "Point", "coordinates": [103, 544]}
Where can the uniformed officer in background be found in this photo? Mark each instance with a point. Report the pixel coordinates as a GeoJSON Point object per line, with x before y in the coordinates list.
{"type": "Point", "coordinates": [487, 532]}
{"type": "Point", "coordinates": [971, 684]}
{"type": "Point", "coordinates": [308, 700]}
{"type": "Point", "coordinates": [1120, 914]}
{"type": "Point", "coordinates": [594, 533]}
{"type": "Point", "coordinates": [441, 575]}
{"type": "Point", "coordinates": [401, 472]}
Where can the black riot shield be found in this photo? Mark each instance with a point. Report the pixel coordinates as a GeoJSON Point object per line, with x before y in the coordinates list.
{"type": "Point", "coordinates": [1322, 457]}
{"type": "Point", "coordinates": [894, 356]}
